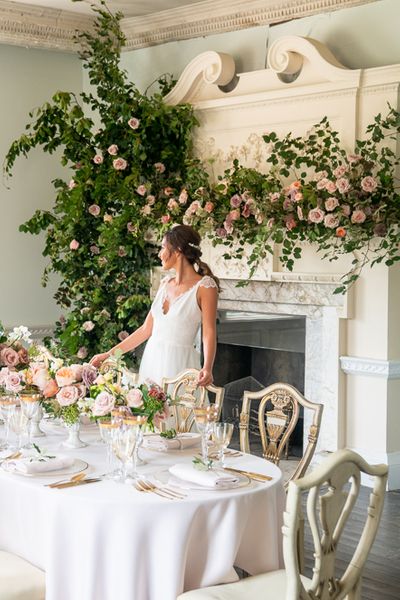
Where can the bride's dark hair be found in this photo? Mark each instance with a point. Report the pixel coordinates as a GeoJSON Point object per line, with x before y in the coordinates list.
{"type": "Point", "coordinates": [185, 239]}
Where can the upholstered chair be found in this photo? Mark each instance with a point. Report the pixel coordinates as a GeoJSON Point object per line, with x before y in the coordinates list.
{"type": "Point", "coordinates": [19, 580]}
{"type": "Point", "coordinates": [332, 490]}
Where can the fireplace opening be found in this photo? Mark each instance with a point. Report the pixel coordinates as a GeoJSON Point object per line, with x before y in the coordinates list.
{"type": "Point", "coordinates": [255, 350]}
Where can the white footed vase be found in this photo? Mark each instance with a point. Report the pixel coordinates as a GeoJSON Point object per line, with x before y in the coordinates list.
{"type": "Point", "coordinates": [73, 440]}
{"type": "Point", "coordinates": [35, 429]}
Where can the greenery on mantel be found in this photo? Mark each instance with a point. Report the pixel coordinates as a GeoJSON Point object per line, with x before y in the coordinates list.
{"type": "Point", "coordinates": [134, 174]}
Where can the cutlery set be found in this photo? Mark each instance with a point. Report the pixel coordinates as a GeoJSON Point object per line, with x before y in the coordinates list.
{"type": "Point", "coordinates": [142, 485]}
{"type": "Point", "coordinates": [255, 476]}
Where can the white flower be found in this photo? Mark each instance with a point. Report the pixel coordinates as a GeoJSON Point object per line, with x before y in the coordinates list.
{"type": "Point", "coordinates": [20, 333]}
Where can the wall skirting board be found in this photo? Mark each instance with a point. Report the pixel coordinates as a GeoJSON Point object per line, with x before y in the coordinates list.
{"type": "Point", "coordinates": [372, 367]}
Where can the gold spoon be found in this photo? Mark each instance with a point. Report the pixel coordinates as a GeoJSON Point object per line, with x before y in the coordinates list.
{"type": "Point", "coordinates": [74, 479]}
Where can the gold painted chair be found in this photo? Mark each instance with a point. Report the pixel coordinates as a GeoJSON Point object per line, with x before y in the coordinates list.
{"type": "Point", "coordinates": [278, 413]}
{"type": "Point", "coordinates": [19, 580]}
{"type": "Point", "coordinates": [332, 490]}
{"type": "Point", "coordinates": [186, 395]}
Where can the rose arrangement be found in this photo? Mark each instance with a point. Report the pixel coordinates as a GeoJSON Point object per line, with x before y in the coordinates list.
{"type": "Point", "coordinates": [17, 356]}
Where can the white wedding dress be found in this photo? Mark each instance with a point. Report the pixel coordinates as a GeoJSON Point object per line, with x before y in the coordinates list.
{"type": "Point", "coordinates": [171, 347]}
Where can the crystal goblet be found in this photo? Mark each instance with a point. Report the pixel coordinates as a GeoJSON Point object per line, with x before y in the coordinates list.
{"type": "Point", "coordinates": [204, 417]}
{"type": "Point", "coordinates": [30, 406]}
{"type": "Point", "coordinates": [221, 435]}
{"type": "Point", "coordinates": [18, 422]}
{"type": "Point", "coordinates": [126, 443]}
{"type": "Point", "coordinates": [107, 432]}
{"type": "Point", "coordinates": [8, 402]}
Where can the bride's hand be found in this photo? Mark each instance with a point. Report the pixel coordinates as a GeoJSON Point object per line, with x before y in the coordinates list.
{"type": "Point", "coordinates": [205, 377]}
{"type": "Point", "coordinates": [98, 359]}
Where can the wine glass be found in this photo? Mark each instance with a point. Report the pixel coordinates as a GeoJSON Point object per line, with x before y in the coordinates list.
{"type": "Point", "coordinates": [18, 422]}
{"type": "Point", "coordinates": [30, 407]}
{"type": "Point", "coordinates": [221, 435]}
{"type": "Point", "coordinates": [8, 402]}
{"type": "Point", "coordinates": [126, 443]}
{"type": "Point", "coordinates": [205, 416]}
{"type": "Point", "coordinates": [107, 432]}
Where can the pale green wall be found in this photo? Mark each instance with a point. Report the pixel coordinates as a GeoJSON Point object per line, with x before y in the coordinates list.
{"type": "Point", "coordinates": [364, 36]}
{"type": "Point", "coordinates": [28, 78]}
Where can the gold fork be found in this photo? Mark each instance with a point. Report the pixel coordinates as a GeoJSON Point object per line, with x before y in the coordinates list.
{"type": "Point", "coordinates": [146, 486]}
{"type": "Point", "coordinates": [11, 456]}
{"type": "Point", "coordinates": [77, 477]}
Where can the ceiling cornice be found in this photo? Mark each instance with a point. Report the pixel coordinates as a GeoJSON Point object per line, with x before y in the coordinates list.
{"type": "Point", "coordinates": [37, 27]}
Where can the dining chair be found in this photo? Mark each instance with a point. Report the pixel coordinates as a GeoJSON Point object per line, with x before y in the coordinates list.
{"type": "Point", "coordinates": [186, 395]}
{"type": "Point", "coordinates": [277, 416]}
{"type": "Point", "coordinates": [332, 490]}
{"type": "Point", "coordinates": [19, 580]}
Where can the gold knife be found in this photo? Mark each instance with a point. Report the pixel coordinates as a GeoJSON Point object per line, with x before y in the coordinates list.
{"type": "Point", "coordinates": [258, 476]}
{"type": "Point", "coordinates": [68, 484]}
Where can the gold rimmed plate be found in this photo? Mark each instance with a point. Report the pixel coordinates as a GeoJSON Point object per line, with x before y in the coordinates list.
{"type": "Point", "coordinates": [78, 466]}
{"type": "Point", "coordinates": [164, 477]}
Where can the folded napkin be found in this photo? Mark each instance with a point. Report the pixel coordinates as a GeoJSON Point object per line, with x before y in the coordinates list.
{"type": "Point", "coordinates": [162, 444]}
{"type": "Point", "coordinates": [213, 478]}
{"type": "Point", "coordinates": [32, 466]}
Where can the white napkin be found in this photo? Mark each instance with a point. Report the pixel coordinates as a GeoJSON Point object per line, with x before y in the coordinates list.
{"type": "Point", "coordinates": [162, 444]}
{"type": "Point", "coordinates": [213, 478]}
{"type": "Point", "coordinates": [29, 466]}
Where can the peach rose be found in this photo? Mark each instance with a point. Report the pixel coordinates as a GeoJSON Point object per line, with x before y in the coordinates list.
{"type": "Point", "coordinates": [316, 215]}
{"type": "Point", "coordinates": [341, 232]}
{"type": "Point", "coordinates": [50, 389]}
{"type": "Point", "coordinates": [358, 216]}
{"type": "Point", "coordinates": [159, 167]}
{"type": "Point", "coordinates": [119, 164]}
{"type": "Point", "coordinates": [331, 203]}
{"type": "Point", "coordinates": [209, 207]}
{"type": "Point", "coordinates": [74, 245]}
{"type": "Point", "coordinates": [65, 376]}
{"type": "Point", "coordinates": [113, 149]}
{"type": "Point", "coordinates": [331, 221]}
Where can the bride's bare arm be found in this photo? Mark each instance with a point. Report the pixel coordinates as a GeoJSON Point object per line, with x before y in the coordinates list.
{"type": "Point", "coordinates": [208, 298]}
{"type": "Point", "coordinates": [140, 335]}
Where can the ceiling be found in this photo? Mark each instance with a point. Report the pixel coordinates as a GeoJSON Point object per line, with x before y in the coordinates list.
{"type": "Point", "coordinates": [130, 8]}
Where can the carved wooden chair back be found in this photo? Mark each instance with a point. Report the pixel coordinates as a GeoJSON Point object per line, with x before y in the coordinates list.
{"type": "Point", "coordinates": [332, 490]}
{"type": "Point", "coordinates": [278, 413]}
{"type": "Point", "coordinates": [186, 395]}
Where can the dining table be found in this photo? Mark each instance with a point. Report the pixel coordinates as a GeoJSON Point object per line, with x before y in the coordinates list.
{"type": "Point", "coordinates": [109, 540]}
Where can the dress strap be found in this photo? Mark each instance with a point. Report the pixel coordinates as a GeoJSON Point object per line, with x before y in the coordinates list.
{"type": "Point", "coordinates": [207, 282]}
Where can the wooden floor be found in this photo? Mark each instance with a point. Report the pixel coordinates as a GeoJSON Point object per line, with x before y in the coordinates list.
{"type": "Point", "coordinates": [381, 579]}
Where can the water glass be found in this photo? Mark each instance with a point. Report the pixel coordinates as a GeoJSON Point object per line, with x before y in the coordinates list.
{"type": "Point", "coordinates": [128, 438]}
{"type": "Point", "coordinates": [30, 407]}
{"type": "Point", "coordinates": [108, 431]}
{"type": "Point", "coordinates": [221, 436]}
{"type": "Point", "coordinates": [8, 402]}
{"type": "Point", "coordinates": [205, 417]}
{"type": "Point", "coordinates": [18, 423]}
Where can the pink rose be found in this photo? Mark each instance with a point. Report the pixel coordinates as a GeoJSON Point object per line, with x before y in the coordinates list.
{"type": "Point", "coordinates": [172, 204]}
{"type": "Point", "coordinates": [228, 226]}
{"type": "Point", "coordinates": [346, 210]}
{"type": "Point", "coordinates": [141, 190]}
{"type": "Point", "coordinates": [369, 184]}
{"type": "Point", "coordinates": [13, 382]}
{"type": "Point", "coordinates": [354, 158]}
{"type": "Point", "coordinates": [343, 185]}
{"type": "Point", "coordinates": [134, 398]}
{"type": "Point", "coordinates": [65, 376]}
{"type": "Point", "coordinates": [82, 353]}
{"type": "Point", "coordinates": [72, 184]}
{"type": "Point", "coordinates": [50, 389]}
{"type": "Point", "coordinates": [94, 249]}
{"type": "Point", "coordinates": [259, 217]}
{"type": "Point", "coordinates": [358, 216]}
{"type": "Point", "coordinates": [287, 204]}
{"type": "Point", "coordinates": [316, 215]}
{"type": "Point", "coordinates": [131, 228]}
{"type": "Point", "coordinates": [168, 191]}
{"type": "Point", "coordinates": [119, 164]}
{"type": "Point", "coordinates": [290, 222]}
{"type": "Point", "coordinates": [221, 232]}
{"type": "Point", "coordinates": [88, 326]}
{"type": "Point", "coordinates": [94, 210]}
{"type": "Point", "coordinates": [123, 335]}
{"type": "Point", "coordinates": [121, 252]}
{"type": "Point", "coordinates": [274, 197]}
{"type": "Point", "coordinates": [183, 197]}
{"type": "Point", "coordinates": [77, 371]}
{"type": "Point", "coordinates": [209, 207]}
{"type": "Point", "coordinates": [298, 197]}
{"type": "Point", "coordinates": [321, 184]}
{"type": "Point", "coordinates": [234, 215]}
{"type": "Point", "coordinates": [133, 123]}
{"type": "Point", "coordinates": [113, 149]}
{"type": "Point", "coordinates": [340, 171]}
{"type": "Point", "coordinates": [159, 167]}
{"type": "Point", "coordinates": [246, 212]}
{"type": "Point", "coordinates": [9, 357]}
{"type": "Point", "coordinates": [193, 207]}
{"type": "Point", "coordinates": [165, 219]}
{"type": "Point", "coordinates": [331, 203]}
{"type": "Point", "coordinates": [331, 221]}
{"type": "Point", "coordinates": [150, 200]}
{"type": "Point", "coordinates": [320, 175]}
{"type": "Point", "coordinates": [236, 201]}
{"type": "Point", "coordinates": [40, 378]}
{"type": "Point", "coordinates": [97, 159]}
{"type": "Point", "coordinates": [103, 404]}
{"type": "Point", "coordinates": [331, 187]}
{"type": "Point", "coordinates": [74, 245]}
{"type": "Point", "coordinates": [146, 210]}
{"type": "Point", "coordinates": [67, 395]}
{"type": "Point", "coordinates": [23, 356]}
{"type": "Point", "coordinates": [300, 213]}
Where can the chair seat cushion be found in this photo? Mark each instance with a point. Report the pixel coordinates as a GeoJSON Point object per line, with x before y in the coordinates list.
{"type": "Point", "coordinates": [19, 580]}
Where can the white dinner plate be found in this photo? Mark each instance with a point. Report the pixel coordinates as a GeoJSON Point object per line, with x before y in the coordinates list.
{"type": "Point", "coordinates": [78, 466]}
{"type": "Point", "coordinates": [165, 478]}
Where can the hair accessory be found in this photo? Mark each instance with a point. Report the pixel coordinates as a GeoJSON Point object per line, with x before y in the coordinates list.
{"type": "Point", "coordinates": [193, 246]}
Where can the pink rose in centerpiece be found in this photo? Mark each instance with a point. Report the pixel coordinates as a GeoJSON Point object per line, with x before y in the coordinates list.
{"type": "Point", "coordinates": [133, 123]}
{"type": "Point", "coordinates": [183, 197]}
{"type": "Point", "coordinates": [236, 201]}
{"type": "Point", "coordinates": [343, 185]}
{"type": "Point", "coordinates": [331, 203]}
{"type": "Point", "coordinates": [40, 378]}
{"type": "Point", "coordinates": [358, 216]}
{"type": "Point", "coordinates": [165, 219]}
{"type": "Point", "coordinates": [50, 389]}
{"type": "Point", "coordinates": [331, 187]}
{"type": "Point", "coordinates": [119, 164]}
{"type": "Point", "coordinates": [141, 190]}
{"type": "Point", "coordinates": [320, 175]}
{"type": "Point", "coordinates": [103, 404]}
{"type": "Point", "coordinates": [94, 210]}
{"type": "Point", "coordinates": [113, 150]}
{"type": "Point", "coordinates": [97, 159]}
{"type": "Point", "coordinates": [23, 356]}
{"type": "Point", "coordinates": [369, 184]}
{"type": "Point", "coordinates": [74, 245]}
{"type": "Point", "coordinates": [67, 395]}
{"type": "Point", "coordinates": [246, 211]}
{"type": "Point", "coordinates": [9, 357]}
{"type": "Point", "coordinates": [88, 326]}
{"type": "Point", "coordinates": [172, 204]}
{"type": "Point", "coordinates": [316, 215]}
{"type": "Point", "coordinates": [331, 221]}
{"type": "Point", "coordinates": [228, 227]}
{"type": "Point", "coordinates": [77, 371]}
{"type": "Point", "coordinates": [65, 376]}
{"type": "Point", "coordinates": [89, 375]}
{"type": "Point", "coordinates": [134, 398]}
{"type": "Point", "coordinates": [159, 167]}
{"type": "Point", "coordinates": [290, 222]}
{"type": "Point", "coordinates": [298, 197]}
{"type": "Point", "coordinates": [13, 382]}
{"type": "Point", "coordinates": [209, 207]}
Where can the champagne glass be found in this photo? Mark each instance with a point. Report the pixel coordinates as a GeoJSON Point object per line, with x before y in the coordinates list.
{"type": "Point", "coordinates": [205, 417]}
{"type": "Point", "coordinates": [127, 439]}
{"type": "Point", "coordinates": [30, 407]}
{"type": "Point", "coordinates": [8, 402]}
{"type": "Point", "coordinates": [107, 432]}
{"type": "Point", "coordinates": [221, 436]}
{"type": "Point", "coordinates": [18, 421]}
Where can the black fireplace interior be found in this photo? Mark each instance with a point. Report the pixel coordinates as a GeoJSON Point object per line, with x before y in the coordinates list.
{"type": "Point", "coordinates": [255, 350]}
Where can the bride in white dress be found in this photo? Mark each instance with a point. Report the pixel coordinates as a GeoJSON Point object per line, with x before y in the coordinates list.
{"type": "Point", "coordinates": [183, 303]}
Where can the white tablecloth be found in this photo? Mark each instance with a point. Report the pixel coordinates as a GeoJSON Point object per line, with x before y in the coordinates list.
{"type": "Point", "coordinates": [107, 541]}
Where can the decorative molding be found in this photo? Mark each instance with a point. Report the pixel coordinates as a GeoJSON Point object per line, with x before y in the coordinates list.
{"type": "Point", "coordinates": [39, 27]}
{"type": "Point", "coordinates": [373, 367]}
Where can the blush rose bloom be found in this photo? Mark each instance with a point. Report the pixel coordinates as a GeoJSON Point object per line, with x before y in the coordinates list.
{"type": "Point", "coordinates": [40, 378]}
{"type": "Point", "coordinates": [290, 222]}
{"type": "Point", "coordinates": [13, 382]}
{"type": "Point", "coordinates": [358, 216]}
{"type": "Point", "coordinates": [9, 357]}
{"type": "Point", "coordinates": [94, 210]}
{"type": "Point", "coordinates": [221, 232]}
{"type": "Point", "coordinates": [133, 123]}
{"type": "Point", "coordinates": [172, 204]}
{"type": "Point", "coordinates": [322, 183]}
{"type": "Point", "coordinates": [82, 353]}
{"type": "Point", "coordinates": [74, 245]}
{"type": "Point", "coordinates": [369, 184]}
{"type": "Point", "coordinates": [150, 199]}
{"type": "Point", "coordinates": [316, 215]}
{"type": "Point", "coordinates": [119, 164]}
{"type": "Point", "coordinates": [209, 207]}
{"type": "Point", "coordinates": [88, 326]}
{"type": "Point", "coordinates": [236, 201]}
{"type": "Point", "coordinates": [65, 376]}
{"type": "Point", "coordinates": [331, 221]}
{"type": "Point", "coordinates": [94, 249]}
{"type": "Point", "coordinates": [341, 232]}
{"type": "Point", "coordinates": [340, 171]}
{"type": "Point", "coordinates": [228, 226]}
{"type": "Point", "coordinates": [168, 191]}
{"type": "Point", "coordinates": [183, 197]}
{"type": "Point", "coordinates": [146, 210]}
{"type": "Point", "coordinates": [141, 190]}
{"type": "Point", "coordinates": [134, 398]}
{"type": "Point", "coordinates": [165, 219]}
{"type": "Point", "coordinates": [159, 167]}
{"type": "Point", "coordinates": [298, 197]}
{"type": "Point", "coordinates": [113, 150]}
{"type": "Point", "coordinates": [320, 175]}
{"type": "Point", "coordinates": [246, 212]}
{"type": "Point", "coordinates": [343, 185]}
{"type": "Point", "coordinates": [97, 159]}
{"type": "Point", "coordinates": [234, 215]}
{"type": "Point", "coordinates": [346, 210]}
{"type": "Point", "coordinates": [67, 395]}
{"type": "Point", "coordinates": [103, 404]}
{"type": "Point", "coordinates": [331, 187]}
{"type": "Point", "coordinates": [72, 184]}
{"type": "Point", "coordinates": [274, 197]}
{"type": "Point", "coordinates": [331, 203]}
{"type": "Point", "coordinates": [50, 389]}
